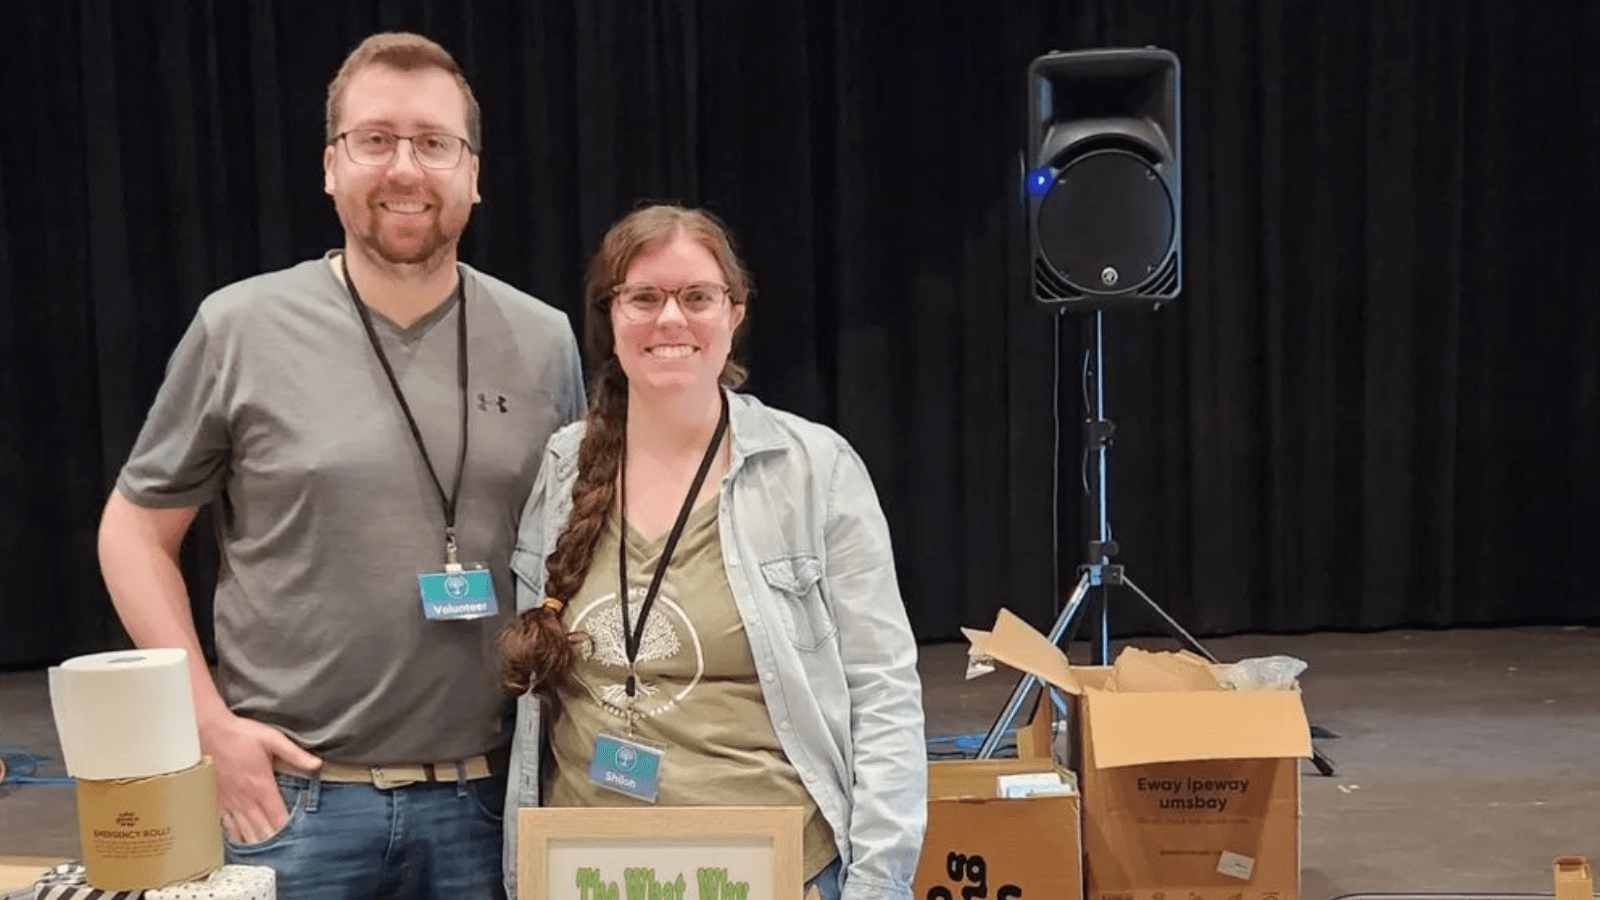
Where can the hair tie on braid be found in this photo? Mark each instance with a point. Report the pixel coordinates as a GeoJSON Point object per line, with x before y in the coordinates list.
{"type": "Point", "coordinates": [552, 604]}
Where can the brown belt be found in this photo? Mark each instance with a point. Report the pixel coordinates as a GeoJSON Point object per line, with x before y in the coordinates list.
{"type": "Point", "coordinates": [400, 775]}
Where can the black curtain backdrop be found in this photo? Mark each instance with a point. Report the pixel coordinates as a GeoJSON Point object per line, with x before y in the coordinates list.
{"type": "Point", "coordinates": [1374, 405]}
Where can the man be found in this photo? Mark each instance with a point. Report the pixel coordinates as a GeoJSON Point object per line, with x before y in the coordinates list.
{"type": "Point", "coordinates": [369, 425]}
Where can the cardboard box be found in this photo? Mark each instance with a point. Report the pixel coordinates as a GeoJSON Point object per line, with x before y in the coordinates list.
{"type": "Point", "coordinates": [144, 833]}
{"type": "Point", "coordinates": [1572, 878]}
{"type": "Point", "coordinates": [1193, 794]}
{"type": "Point", "coordinates": [1187, 794]}
{"type": "Point", "coordinates": [979, 844]}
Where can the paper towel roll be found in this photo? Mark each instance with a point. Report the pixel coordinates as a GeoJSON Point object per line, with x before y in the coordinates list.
{"type": "Point", "coordinates": [125, 714]}
{"type": "Point", "coordinates": [226, 883]}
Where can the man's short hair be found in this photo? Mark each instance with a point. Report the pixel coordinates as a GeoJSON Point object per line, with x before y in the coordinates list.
{"type": "Point", "coordinates": [406, 52]}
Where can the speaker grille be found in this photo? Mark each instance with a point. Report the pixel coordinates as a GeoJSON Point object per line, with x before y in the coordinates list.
{"type": "Point", "coordinates": [1047, 285]}
{"type": "Point", "coordinates": [1106, 227]}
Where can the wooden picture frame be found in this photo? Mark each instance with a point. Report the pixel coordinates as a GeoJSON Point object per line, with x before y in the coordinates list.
{"type": "Point", "coordinates": [694, 852]}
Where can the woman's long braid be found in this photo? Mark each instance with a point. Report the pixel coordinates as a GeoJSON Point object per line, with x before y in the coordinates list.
{"type": "Point", "coordinates": [539, 650]}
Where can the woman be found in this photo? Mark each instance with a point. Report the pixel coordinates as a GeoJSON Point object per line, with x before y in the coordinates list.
{"type": "Point", "coordinates": [763, 656]}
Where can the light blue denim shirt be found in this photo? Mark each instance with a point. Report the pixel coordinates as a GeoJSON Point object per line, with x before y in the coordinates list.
{"type": "Point", "coordinates": [806, 548]}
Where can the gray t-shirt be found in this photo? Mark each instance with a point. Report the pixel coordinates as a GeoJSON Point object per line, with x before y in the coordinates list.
{"type": "Point", "coordinates": [275, 407]}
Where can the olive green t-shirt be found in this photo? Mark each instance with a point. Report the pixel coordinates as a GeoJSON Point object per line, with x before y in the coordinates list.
{"type": "Point", "coordinates": [698, 695]}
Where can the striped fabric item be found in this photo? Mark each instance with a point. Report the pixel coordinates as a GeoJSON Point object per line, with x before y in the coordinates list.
{"type": "Point", "coordinates": [70, 881]}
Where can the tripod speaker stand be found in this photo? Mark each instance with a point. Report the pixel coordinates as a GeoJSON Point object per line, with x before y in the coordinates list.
{"type": "Point", "coordinates": [1091, 598]}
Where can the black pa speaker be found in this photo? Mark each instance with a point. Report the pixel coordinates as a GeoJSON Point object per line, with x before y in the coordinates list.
{"type": "Point", "coordinates": [1104, 203]}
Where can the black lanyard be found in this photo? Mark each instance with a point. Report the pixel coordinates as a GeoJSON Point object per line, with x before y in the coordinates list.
{"type": "Point", "coordinates": [448, 502]}
{"type": "Point", "coordinates": [631, 637]}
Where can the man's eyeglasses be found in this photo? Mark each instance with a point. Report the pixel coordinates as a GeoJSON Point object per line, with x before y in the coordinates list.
{"type": "Point", "coordinates": [376, 147]}
{"type": "Point", "coordinates": [643, 302]}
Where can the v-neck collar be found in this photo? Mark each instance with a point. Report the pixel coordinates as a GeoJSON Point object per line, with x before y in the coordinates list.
{"type": "Point", "coordinates": [650, 548]}
{"type": "Point", "coordinates": [417, 329]}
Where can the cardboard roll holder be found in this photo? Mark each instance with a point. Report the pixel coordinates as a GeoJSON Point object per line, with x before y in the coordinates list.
{"type": "Point", "coordinates": [146, 833]}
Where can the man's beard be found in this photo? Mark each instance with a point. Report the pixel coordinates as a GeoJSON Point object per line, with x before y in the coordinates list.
{"type": "Point", "coordinates": [412, 249]}
{"type": "Point", "coordinates": [409, 252]}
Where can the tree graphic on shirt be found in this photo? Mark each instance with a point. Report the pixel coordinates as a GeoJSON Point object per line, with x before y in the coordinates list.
{"type": "Point", "coordinates": [660, 641]}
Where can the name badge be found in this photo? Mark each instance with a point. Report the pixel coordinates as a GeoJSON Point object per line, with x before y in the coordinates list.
{"type": "Point", "coordinates": [458, 593]}
{"type": "Point", "coordinates": [626, 766]}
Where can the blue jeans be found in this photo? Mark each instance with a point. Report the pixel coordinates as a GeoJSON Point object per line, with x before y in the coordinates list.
{"type": "Point", "coordinates": [827, 882]}
{"type": "Point", "coordinates": [357, 842]}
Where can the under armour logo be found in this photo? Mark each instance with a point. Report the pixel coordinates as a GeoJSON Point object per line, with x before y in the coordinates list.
{"type": "Point", "coordinates": [487, 402]}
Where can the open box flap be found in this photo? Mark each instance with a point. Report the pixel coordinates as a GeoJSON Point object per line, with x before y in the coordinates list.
{"type": "Point", "coordinates": [1018, 645]}
{"type": "Point", "coordinates": [1140, 728]}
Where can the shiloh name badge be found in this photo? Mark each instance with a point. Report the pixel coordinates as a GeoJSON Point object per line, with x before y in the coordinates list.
{"type": "Point", "coordinates": [627, 767]}
{"type": "Point", "coordinates": [457, 593]}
